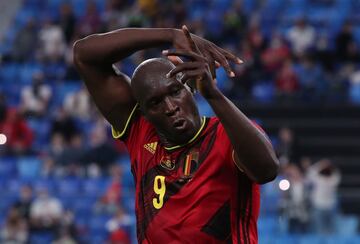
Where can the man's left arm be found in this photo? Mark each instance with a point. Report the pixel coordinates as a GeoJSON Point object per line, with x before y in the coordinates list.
{"type": "Point", "coordinates": [253, 152]}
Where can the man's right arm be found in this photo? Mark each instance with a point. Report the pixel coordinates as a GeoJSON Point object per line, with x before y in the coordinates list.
{"type": "Point", "coordinates": [94, 57]}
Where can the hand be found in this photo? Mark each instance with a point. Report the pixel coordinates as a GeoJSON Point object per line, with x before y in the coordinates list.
{"type": "Point", "coordinates": [196, 72]}
{"type": "Point", "coordinates": [215, 55]}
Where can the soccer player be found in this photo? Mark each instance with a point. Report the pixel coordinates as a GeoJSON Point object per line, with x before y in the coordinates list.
{"type": "Point", "coordinates": [196, 178]}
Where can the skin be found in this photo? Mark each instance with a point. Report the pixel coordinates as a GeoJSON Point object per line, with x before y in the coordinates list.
{"type": "Point", "coordinates": [165, 102]}
{"type": "Point", "coordinates": [164, 99]}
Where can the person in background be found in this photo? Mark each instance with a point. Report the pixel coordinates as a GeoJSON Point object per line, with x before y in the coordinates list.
{"type": "Point", "coordinates": [19, 135]}
{"type": "Point", "coordinates": [295, 207]}
{"type": "Point", "coordinates": [45, 212]}
{"type": "Point", "coordinates": [301, 36]}
{"type": "Point", "coordinates": [15, 230]}
{"type": "Point", "coordinates": [24, 202]}
{"type": "Point", "coordinates": [324, 178]}
{"type": "Point", "coordinates": [36, 97]}
{"type": "Point", "coordinates": [117, 227]}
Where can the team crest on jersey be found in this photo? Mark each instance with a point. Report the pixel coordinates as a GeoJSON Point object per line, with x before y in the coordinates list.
{"type": "Point", "coordinates": [167, 163]}
{"type": "Point", "coordinates": [151, 147]}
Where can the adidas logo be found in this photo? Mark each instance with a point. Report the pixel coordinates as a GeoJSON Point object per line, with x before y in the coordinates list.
{"type": "Point", "coordinates": [151, 147]}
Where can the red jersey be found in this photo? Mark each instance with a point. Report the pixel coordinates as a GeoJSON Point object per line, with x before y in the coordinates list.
{"type": "Point", "coordinates": [192, 193]}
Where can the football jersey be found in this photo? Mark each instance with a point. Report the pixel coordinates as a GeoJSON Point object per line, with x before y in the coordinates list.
{"type": "Point", "coordinates": [191, 193]}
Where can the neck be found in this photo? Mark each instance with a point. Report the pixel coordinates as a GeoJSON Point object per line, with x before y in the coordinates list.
{"type": "Point", "coordinates": [169, 144]}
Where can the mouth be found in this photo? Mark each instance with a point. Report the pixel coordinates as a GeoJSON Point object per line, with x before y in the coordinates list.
{"type": "Point", "coordinates": [179, 124]}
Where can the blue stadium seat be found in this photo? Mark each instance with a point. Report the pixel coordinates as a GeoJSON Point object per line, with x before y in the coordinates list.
{"type": "Point", "coordinates": [7, 167]}
{"type": "Point", "coordinates": [264, 92]}
{"type": "Point", "coordinates": [29, 167]}
{"type": "Point", "coordinates": [68, 187]}
{"type": "Point", "coordinates": [347, 225]}
{"type": "Point", "coordinates": [95, 187]}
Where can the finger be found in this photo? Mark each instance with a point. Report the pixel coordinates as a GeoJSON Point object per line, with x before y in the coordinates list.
{"type": "Point", "coordinates": [175, 60]}
{"type": "Point", "coordinates": [195, 74]}
{"type": "Point", "coordinates": [223, 62]}
{"type": "Point", "coordinates": [185, 54]}
{"type": "Point", "coordinates": [182, 67]}
{"type": "Point", "coordinates": [231, 56]}
{"type": "Point", "coordinates": [191, 42]}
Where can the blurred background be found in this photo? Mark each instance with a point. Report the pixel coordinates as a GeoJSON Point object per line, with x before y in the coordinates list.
{"type": "Point", "coordinates": [64, 180]}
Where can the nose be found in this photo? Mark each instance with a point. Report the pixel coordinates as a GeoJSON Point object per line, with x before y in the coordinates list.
{"type": "Point", "coordinates": [170, 107]}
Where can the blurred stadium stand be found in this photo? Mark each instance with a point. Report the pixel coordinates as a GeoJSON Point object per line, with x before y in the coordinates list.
{"type": "Point", "coordinates": [325, 119]}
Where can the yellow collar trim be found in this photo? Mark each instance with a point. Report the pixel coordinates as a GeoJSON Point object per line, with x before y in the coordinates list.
{"type": "Point", "coordinates": [192, 139]}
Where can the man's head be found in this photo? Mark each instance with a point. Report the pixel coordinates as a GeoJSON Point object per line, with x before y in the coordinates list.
{"type": "Point", "coordinates": [165, 102]}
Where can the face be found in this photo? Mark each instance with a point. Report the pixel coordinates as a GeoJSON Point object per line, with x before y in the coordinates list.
{"type": "Point", "coordinates": [171, 108]}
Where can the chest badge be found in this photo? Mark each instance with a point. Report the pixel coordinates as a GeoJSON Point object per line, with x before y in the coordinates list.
{"type": "Point", "coordinates": [167, 163]}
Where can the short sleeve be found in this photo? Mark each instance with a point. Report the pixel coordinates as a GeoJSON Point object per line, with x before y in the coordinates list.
{"type": "Point", "coordinates": [137, 129]}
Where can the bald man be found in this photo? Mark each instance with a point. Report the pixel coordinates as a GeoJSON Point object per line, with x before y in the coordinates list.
{"type": "Point", "coordinates": [196, 177]}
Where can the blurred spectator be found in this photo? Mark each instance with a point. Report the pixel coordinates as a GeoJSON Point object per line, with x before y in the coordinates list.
{"type": "Point", "coordinates": [90, 22]}
{"type": "Point", "coordinates": [275, 55]}
{"type": "Point", "coordinates": [15, 229]}
{"type": "Point", "coordinates": [19, 135]}
{"type": "Point", "coordinates": [301, 36]}
{"type": "Point", "coordinates": [109, 203]}
{"type": "Point", "coordinates": [56, 147]}
{"type": "Point", "coordinates": [35, 98]}
{"type": "Point", "coordinates": [3, 107]}
{"type": "Point", "coordinates": [100, 151]}
{"type": "Point", "coordinates": [24, 202]}
{"type": "Point", "coordinates": [311, 79]}
{"type": "Point", "coordinates": [117, 227]}
{"type": "Point", "coordinates": [52, 41]}
{"type": "Point", "coordinates": [325, 179]}
{"type": "Point", "coordinates": [296, 205]}
{"type": "Point", "coordinates": [235, 22]}
{"type": "Point", "coordinates": [45, 212]}
{"type": "Point", "coordinates": [78, 104]}
{"type": "Point", "coordinates": [66, 233]}
{"type": "Point", "coordinates": [287, 84]}
{"type": "Point", "coordinates": [71, 158]}
{"type": "Point", "coordinates": [63, 124]}
{"type": "Point", "coordinates": [343, 41]}
{"type": "Point", "coordinates": [285, 144]}
{"type": "Point", "coordinates": [67, 21]}
{"type": "Point", "coordinates": [25, 42]}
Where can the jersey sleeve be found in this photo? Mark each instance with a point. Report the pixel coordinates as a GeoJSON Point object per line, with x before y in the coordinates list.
{"type": "Point", "coordinates": [134, 132]}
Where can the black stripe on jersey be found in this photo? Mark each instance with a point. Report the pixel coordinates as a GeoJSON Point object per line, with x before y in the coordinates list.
{"type": "Point", "coordinates": [205, 153]}
{"type": "Point", "coordinates": [244, 194]}
{"type": "Point", "coordinates": [219, 225]}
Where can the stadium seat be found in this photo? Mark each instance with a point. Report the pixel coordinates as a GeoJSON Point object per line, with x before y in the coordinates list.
{"type": "Point", "coordinates": [68, 187]}
{"type": "Point", "coordinates": [29, 167]}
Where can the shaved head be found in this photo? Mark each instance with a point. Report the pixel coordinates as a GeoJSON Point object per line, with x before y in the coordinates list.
{"type": "Point", "coordinates": [146, 73]}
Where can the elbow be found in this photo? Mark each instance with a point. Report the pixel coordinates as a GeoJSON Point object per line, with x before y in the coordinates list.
{"type": "Point", "coordinates": [77, 51]}
{"type": "Point", "coordinates": [269, 174]}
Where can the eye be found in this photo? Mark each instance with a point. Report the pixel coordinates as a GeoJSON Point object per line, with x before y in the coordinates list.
{"type": "Point", "coordinates": [176, 91]}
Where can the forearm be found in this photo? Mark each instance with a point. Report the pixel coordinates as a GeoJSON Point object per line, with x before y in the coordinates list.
{"type": "Point", "coordinates": [111, 47]}
{"type": "Point", "coordinates": [254, 153]}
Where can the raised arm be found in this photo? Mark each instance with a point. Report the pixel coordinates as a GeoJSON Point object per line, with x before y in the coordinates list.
{"type": "Point", "coordinates": [95, 55]}
{"type": "Point", "coordinates": [253, 152]}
